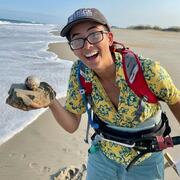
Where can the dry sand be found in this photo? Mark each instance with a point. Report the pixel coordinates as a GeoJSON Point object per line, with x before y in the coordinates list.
{"type": "Point", "coordinates": [43, 148]}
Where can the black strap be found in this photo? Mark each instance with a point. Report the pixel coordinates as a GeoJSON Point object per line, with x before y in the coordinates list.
{"type": "Point", "coordinates": [131, 137]}
{"type": "Point", "coordinates": [145, 140]}
{"type": "Point", "coordinates": [135, 159]}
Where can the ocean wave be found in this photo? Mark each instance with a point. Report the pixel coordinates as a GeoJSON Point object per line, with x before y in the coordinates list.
{"type": "Point", "coordinates": [23, 53]}
{"type": "Point", "coordinates": [4, 22]}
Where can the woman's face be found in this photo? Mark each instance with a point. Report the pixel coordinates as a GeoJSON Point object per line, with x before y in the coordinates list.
{"type": "Point", "coordinates": [96, 56]}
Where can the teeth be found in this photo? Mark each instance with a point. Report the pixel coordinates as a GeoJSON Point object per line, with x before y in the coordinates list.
{"type": "Point", "coordinates": [91, 54]}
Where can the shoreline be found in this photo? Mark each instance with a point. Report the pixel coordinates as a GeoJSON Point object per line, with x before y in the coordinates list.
{"type": "Point", "coordinates": [43, 147]}
{"type": "Point", "coordinates": [22, 128]}
{"type": "Point", "coordinates": [65, 54]}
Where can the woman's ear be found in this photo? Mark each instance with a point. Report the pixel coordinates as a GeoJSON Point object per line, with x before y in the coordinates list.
{"type": "Point", "coordinates": [110, 35]}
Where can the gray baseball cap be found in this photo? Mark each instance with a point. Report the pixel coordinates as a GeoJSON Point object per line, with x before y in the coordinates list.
{"type": "Point", "coordinates": [84, 14]}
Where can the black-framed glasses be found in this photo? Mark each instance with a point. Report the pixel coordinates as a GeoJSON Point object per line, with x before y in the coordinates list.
{"type": "Point", "coordinates": [92, 38]}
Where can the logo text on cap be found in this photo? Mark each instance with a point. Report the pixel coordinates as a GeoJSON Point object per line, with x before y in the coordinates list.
{"type": "Point", "coordinates": [80, 13]}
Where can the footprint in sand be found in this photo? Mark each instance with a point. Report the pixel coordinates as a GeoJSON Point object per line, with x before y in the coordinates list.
{"type": "Point", "coordinates": [45, 169]}
{"type": "Point", "coordinates": [66, 150]}
{"type": "Point", "coordinates": [12, 155]}
{"type": "Point", "coordinates": [23, 156]}
{"type": "Point", "coordinates": [33, 165]}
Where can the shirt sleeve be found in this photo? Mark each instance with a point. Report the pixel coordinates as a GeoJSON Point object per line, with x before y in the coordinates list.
{"type": "Point", "coordinates": [74, 101]}
{"type": "Point", "coordinates": [160, 82]}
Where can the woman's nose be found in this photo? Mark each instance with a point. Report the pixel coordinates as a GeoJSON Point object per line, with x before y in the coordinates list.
{"type": "Point", "coordinates": [87, 44]}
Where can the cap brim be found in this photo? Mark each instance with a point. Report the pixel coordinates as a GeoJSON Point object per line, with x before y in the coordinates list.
{"type": "Point", "coordinates": [64, 32]}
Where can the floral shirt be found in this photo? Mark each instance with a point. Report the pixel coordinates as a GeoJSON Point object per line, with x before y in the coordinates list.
{"type": "Point", "coordinates": [158, 81]}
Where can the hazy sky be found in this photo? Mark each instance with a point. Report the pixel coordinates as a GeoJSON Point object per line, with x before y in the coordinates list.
{"type": "Point", "coordinates": [121, 13]}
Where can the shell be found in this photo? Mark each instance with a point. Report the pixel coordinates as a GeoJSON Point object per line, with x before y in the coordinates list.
{"type": "Point", "coordinates": [32, 82]}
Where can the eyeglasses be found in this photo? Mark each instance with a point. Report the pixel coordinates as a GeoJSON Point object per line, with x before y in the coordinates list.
{"type": "Point", "coordinates": [92, 38]}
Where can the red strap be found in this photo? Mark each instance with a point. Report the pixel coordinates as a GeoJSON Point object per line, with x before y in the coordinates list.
{"type": "Point", "coordinates": [139, 85]}
{"type": "Point", "coordinates": [86, 85]}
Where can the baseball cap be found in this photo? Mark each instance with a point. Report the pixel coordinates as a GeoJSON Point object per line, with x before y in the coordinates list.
{"type": "Point", "coordinates": [84, 14]}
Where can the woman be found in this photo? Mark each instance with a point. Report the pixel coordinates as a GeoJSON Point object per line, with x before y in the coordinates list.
{"type": "Point", "coordinates": [91, 39]}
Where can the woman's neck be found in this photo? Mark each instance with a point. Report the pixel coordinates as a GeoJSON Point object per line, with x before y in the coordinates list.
{"type": "Point", "coordinates": [108, 73]}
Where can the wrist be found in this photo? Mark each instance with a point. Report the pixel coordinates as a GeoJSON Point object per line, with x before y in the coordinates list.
{"type": "Point", "coordinates": [52, 103]}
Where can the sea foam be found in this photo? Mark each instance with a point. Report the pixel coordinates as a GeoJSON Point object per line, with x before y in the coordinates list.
{"type": "Point", "coordinates": [23, 53]}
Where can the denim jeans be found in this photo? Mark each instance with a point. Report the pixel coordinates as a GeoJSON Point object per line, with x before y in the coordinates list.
{"type": "Point", "coordinates": [102, 168]}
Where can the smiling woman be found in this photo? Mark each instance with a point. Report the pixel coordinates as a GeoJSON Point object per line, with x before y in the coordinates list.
{"type": "Point", "coordinates": [113, 101]}
{"type": "Point", "coordinates": [116, 106]}
{"type": "Point", "coordinates": [92, 52]}
{"type": "Point", "coordinates": [91, 41]}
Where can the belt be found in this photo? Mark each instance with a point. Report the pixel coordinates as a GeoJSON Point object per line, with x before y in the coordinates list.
{"type": "Point", "coordinates": [130, 137]}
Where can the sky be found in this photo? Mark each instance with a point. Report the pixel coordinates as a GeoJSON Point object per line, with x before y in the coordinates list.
{"type": "Point", "coordinates": [122, 13]}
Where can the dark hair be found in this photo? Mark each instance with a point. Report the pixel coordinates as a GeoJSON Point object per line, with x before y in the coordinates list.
{"type": "Point", "coordinates": [68, 37]}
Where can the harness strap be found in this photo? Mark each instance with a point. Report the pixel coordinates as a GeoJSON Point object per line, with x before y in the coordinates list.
{"type": "Point", "coordinates": [153, 140]}
{"type": "Point", "coordinates": [129, 137]}
{"type": "Point", "coordinates": [87, 100]}
{"type": "Point", "coordinates": [159, 144]}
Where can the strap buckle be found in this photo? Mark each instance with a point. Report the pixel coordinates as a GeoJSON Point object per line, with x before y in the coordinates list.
{"type": "Point", "coordinates": [164, 142]}
{"type": "Point", "coordinates": [82, 91]}
{"type": "Point", "coordinates": [153, 144]}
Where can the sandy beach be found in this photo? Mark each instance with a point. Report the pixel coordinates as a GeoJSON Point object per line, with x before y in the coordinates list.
{"type": "Point", "coordinates": [43, 147]}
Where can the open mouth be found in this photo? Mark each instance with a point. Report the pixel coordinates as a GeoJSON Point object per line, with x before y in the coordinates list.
{"type": "Point", "coordinates": [92, 56]}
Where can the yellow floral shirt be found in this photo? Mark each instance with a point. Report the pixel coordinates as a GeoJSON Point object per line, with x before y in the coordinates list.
{"type": "Point", "coordinates": [158, 81]}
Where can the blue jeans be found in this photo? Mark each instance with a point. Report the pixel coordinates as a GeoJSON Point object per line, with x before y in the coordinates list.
{"type": "Point", "coordinates": [102, 168]}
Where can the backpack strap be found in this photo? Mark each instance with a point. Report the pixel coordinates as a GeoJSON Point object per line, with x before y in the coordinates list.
{"type": "Point", "coordinates": [86, 90]}
{"type": "Point", "coordinates": [86, 86]}
{"type": "Point", "coordinates": [134, 74]}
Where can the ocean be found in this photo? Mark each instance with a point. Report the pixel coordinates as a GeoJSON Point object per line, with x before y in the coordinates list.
{"type": "Point", "coordinates": [23, 52]}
